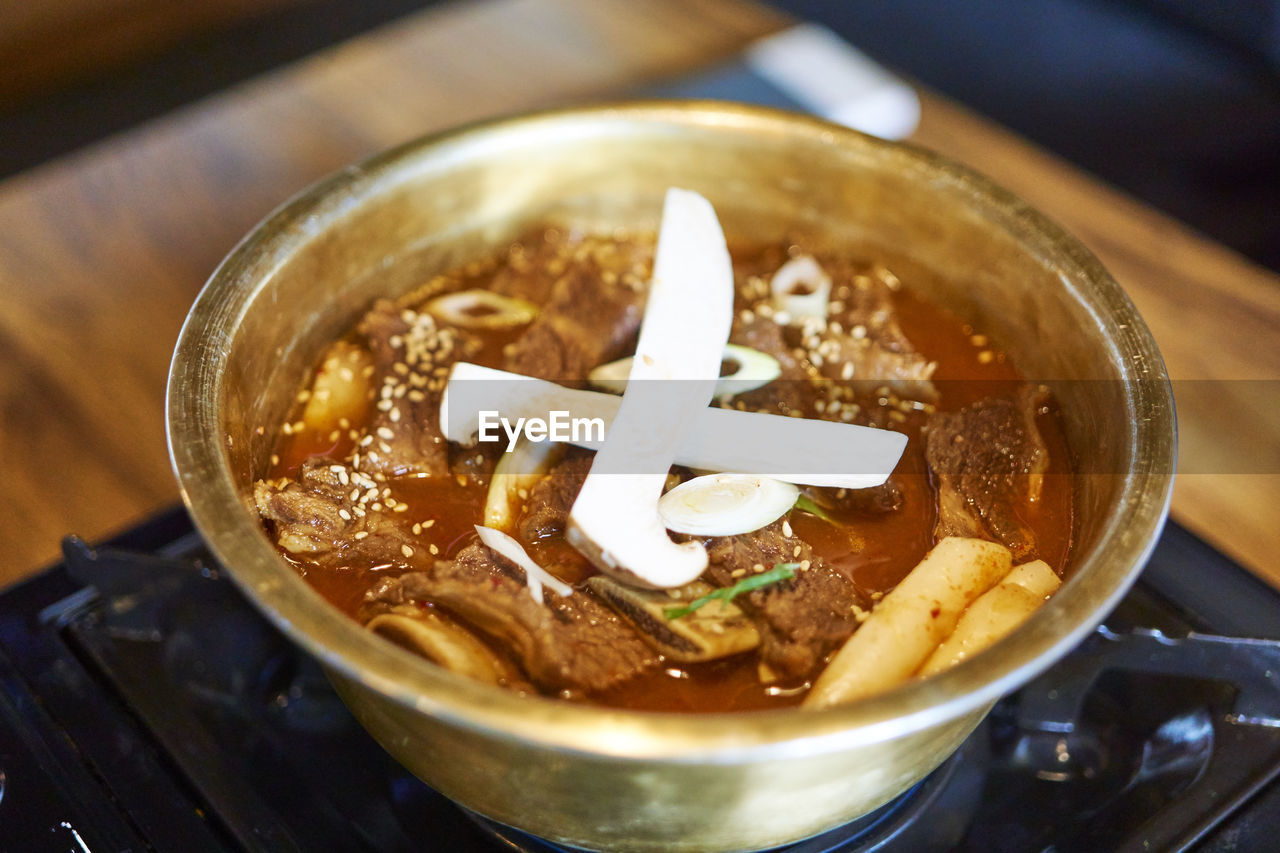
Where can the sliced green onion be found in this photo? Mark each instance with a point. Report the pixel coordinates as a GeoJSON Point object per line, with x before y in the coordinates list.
{"type": "Point", "coordinates": [752, 369]}
{"type": "Point", "coordinates": [780, 572]}
{"type": "Point", "coordinates": [481, 309]}
{"type": "Point", "coordinates": [806, 504]}
{"type": "Point", "coordinates": [726, 504]}
{"type": "Point", "coordinates": [801, 289]}
{"type": "Point", "coordinates": [519, 469]}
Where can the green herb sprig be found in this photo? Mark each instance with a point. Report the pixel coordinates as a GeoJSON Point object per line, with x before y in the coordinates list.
{"type": "Point", "coordinates": [780, 572]}
{"type": "Point", "coordinates": [805, 504]}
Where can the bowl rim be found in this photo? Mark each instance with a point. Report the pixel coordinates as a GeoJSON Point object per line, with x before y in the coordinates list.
{"type": "Point", "coordinates": [218, 510]}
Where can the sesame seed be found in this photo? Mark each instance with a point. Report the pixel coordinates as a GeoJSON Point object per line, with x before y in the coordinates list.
{"type": "Point", "coordinates": [986, 357]}
{"type": "Point", "coordinates": [737, 573]}
{"type": "Point", "coordinates": [417, 529]}
{"type": "Point", "coordinates": [394, 415]}
{"type": "Point", "coordinates": [846, 372]}
{"type": "Point", "coordinates": [786, 529]}
{"type": "Point", "coordinates": [406, 550]}
{"type": "Point", "coordinates": [361, 534]}
{"type": "Point", "coordinates": [796, 551]}
{"type": "Point", "coordinates": [383, 432]}
{"type": "Point", "coordinates": [344, 515]}
{"type": "Point", "coordinates": [805, 564]}
{"type": "Point", "coordinates": [428, 523]}
{"type": "Point", "coordinates": [433, 549]}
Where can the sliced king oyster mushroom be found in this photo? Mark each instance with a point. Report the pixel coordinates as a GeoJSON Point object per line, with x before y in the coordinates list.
{"type": "Point", "coordinates": [442, 642]}
{"type": "Point", "coordinates": [714, 631]}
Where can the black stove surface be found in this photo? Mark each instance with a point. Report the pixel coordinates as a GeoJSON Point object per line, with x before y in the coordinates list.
{"type": "Point", "coordinates": [147, 706]}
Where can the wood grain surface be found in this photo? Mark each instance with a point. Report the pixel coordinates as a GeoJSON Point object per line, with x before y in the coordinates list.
{"type": "Point", "coordinates": [102, 253]}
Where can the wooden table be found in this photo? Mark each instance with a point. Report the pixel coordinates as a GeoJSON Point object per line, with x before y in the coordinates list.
{"type": "Point", "coordinates": [102, 253]}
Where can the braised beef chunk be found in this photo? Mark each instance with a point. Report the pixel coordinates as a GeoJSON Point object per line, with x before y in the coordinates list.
{"type": "Point", "coordinates": [877, 500]}
{"type": "Point", "coordinates": [317, 516]}
{"type": "Point", "coordinates": [788, 392]}
{"type": "Point", "coordinates": [801, 620]}
{"type": "Point", "coordinates": [411, 356]}
{"type": "Point", "coordinates": [866, 300]}
{"type": "Point", "coordinates": [863, 343]}
{"type": "Point", "coordinates": [529, 272]}
{"type": "Point", "coordinates": [988, 461]}
{"type": "Point", "coordinates": [571, 643]}
{"type": "Point", "coordinates": [547, 509]}
{"type": "Point", "coordinates": [866, 365]}
{"type": "Point", "coordinates": [584, 323]}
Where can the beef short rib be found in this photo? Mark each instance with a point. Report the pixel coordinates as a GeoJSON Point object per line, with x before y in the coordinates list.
{"type": "Point", "coordinates": [988, 461]}
{"type": "Point", "coordinates": [801, 620]}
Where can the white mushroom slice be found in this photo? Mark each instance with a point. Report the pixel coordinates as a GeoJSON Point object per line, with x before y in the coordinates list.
{"type": "Point", "coordinates": [535, 576]}
{"type": "Point", "coordinates": [795, 450]}
{"type": "Point", "coordinates": [615, 521]}
{"type": "Point", "coordinates": [442, 642]}
{"type": "Point", "coordinates": [801, 289]}
{"type": "Point", "coordinates": [481, 309]}
{"type": "Point", "coordinates": [748, 368]}
{"type": "Point", "coordinates": [519, 469]}
{"type": "Point", "coordinates": [715, 631]}
{"type": "Point", "coordinates": [726, 504]}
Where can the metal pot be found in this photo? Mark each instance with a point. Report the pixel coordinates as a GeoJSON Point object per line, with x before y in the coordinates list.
{"type": "Point", "coordinates": [643, 781]}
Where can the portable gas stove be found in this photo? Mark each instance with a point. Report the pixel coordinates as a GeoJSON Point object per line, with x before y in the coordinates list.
{"type": "Point", "coordinates": [146, 705]}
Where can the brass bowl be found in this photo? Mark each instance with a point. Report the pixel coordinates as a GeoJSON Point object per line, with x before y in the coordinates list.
{"type": "Point", "coordinates": [644, 781]}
